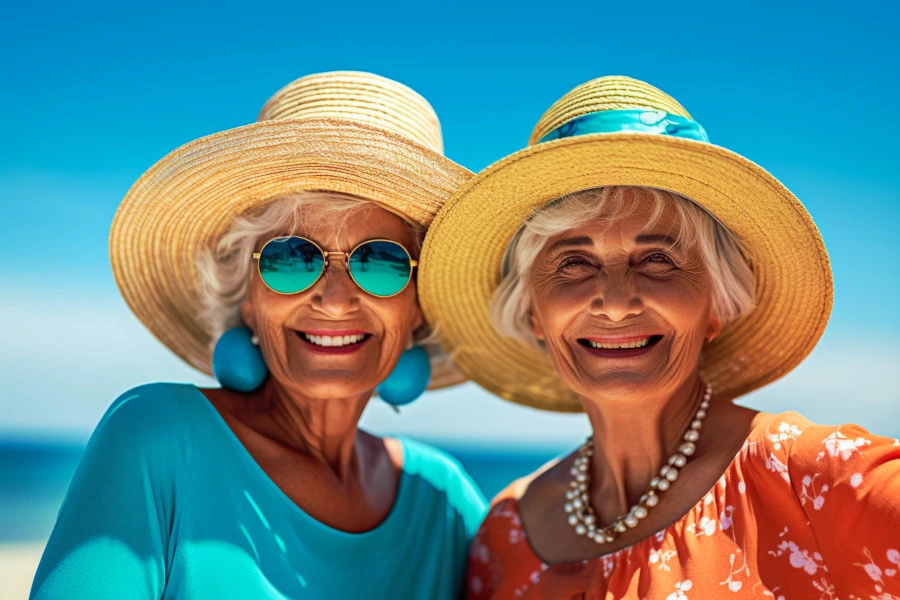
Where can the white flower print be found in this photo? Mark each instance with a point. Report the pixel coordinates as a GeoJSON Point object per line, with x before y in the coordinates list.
{"type": "Point", "coordinates": [705, 526]}
{"type": "Point", "coordinates": [827, 589]}
{"type": "Point", "coordinates": [476, 585]}
{"type": "Point", "coordinates": [837, 445]}
{"type": "Point", "coordinates": [481, 552]}
{"type": "Point", "coordinates": [725, 517]}
{"type": "Point", "coordinates": [876, 573]}
{"type": "Point", "coordinates": [798, 557]}
{"type": "Point", "coordinates": [662, 557]}
{"type": "Point", "coordinates": [773, 593]}
{"type": "Point", "coordinates": [856, 480]}
{"type": "Point", "coordinates": [680, 588]}
{"type": "Point", "coordinates": [785, 432]}
{"type": "Point", "coordinates": [515, 535]}
{"type": "Point", "coordinates": [733, 584]}
{"type": "Point", "coordinates": [810, 494]}
{"type": "Point", "coordinates": [776, 466]}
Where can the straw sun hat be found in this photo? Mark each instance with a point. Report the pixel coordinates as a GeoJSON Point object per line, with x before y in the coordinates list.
{"type": "Point", "coordinates": [623, 132]}
{"type": "Point", "coordinates": [349, 132]}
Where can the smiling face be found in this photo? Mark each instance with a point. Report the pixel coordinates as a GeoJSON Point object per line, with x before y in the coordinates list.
{"type": "Point", "coordinates": [334, 340]}
{"type": "Point", "coordinates": [622, 309]}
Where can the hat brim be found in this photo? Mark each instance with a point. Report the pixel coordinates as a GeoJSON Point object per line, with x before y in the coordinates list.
{"type": "Point", "coordinates": [464, 249]}
{"type": "Point", "coordinates": [188, 199]}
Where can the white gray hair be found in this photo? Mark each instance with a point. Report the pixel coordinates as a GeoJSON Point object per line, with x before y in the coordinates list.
{"type": "Point", "coordinates": [224, 269]}
{"type": "Point", "coordinates": [722, 253]}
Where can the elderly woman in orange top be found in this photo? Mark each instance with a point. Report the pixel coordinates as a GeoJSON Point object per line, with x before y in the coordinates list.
{"type": "Point", "coordinates": [624, 266]}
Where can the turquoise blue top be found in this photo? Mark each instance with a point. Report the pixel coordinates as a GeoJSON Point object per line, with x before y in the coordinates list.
{"type": "Point", "coordinates": [167, 503]}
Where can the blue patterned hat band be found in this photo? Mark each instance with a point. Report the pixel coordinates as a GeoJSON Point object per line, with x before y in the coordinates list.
{"type": "Point", "coordinates": [638, 121]}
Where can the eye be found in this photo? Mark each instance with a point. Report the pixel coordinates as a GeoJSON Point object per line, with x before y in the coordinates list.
{"type": "Point", "coordinates": [659, 257]}
{"type": "Point", "coordinates": [574, 264]}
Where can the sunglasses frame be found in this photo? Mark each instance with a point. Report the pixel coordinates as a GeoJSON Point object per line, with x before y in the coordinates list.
{"type": "Point", "coordinates": [413, 263]}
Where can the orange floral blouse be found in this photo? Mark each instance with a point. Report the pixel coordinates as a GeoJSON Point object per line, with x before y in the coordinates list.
{"type": "Point", "coordinates": [803, 511]}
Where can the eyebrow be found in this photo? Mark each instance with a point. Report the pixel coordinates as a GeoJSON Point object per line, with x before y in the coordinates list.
{"type": "Point", "coordinates": [586, 241]}
{"type": "Point", "coordinates": [578, 241]}
{"type": "Point", "coordinates": [655, 239]}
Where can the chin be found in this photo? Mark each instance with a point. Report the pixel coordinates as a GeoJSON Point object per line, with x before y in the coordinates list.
{"type": "Point", "coordinates": [333, 384]}
{"type": "Point", "coordinates": [618, 385]}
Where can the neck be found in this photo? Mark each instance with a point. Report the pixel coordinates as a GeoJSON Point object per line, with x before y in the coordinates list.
{"type": "Point", "coordinates": [633, 438]}
{"type": "Point", "coordinates": [324, 429]}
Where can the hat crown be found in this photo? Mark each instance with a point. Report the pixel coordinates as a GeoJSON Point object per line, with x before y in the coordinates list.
{"type": "Point", "coordinates": [605, 94]}
{"type": "Point", "coordinates": [359, 97]}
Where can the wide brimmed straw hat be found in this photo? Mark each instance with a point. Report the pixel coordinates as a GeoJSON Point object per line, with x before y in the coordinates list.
{"type": "Point", "coordinates": [348, 132]}
{"type": "Point", "coordinates": [616, 131]}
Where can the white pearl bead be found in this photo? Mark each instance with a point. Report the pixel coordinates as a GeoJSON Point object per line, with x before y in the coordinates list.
{"type": "Point", "coordinates": [652, 500]}
{"type": "Point", "coordinates": [680, 460]}
{"type": "Point", "coordinates": [573, 520]}
{"type": "Point", "coordinates": [663, 485]}
{"type": "Point", "coordinates": [631, 521]}
{"type": "Point", "coordinates": [704, 405]}
{"type": "Point", "coordinates": [582, 487]}
{"type": "Point", "coordinates": [573, 484]}
{"type": "Point", "coordinates": [620, 526]}
{"type": "Point", "coordinates": [573, 470]}
{"type": "Point", "coordinates": [582, 467]}
{"type": "Point", "coordinates": [672, 474]}
{"type": "Point", "coordinates": [577, 503]}
{"type": "Point", "coordinates": [570, 494]}
{"type": "Point", "coordinates": [610, 537]}
{"type": "Point", "coordinates": [569, 508]}
{"type": "Point", "coordinates": [701, 414]}
{"type": "Point", "coordinates": [581, 478]}
{"type": "Point", "coordinates": [654, 482]}
{"type": "Point", "coordinates": [640, 512]}
{"type": "Point", "coordinates": [687, 448]}
{"type": "Point", "coordinates": [589, 519]}
{"type": "Point", "coordinates": [696, 424]}
{"type": "Point", "coordinates": [691, 435]}
{"type": "Point", "coordinates": [580, 529]}
{"type": "Point", "coordinates": [664, 470]}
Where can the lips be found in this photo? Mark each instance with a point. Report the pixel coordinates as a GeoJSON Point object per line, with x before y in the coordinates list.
{"type": "Point", "coordinates": [610, 347]}
{"type": "Point", "coordinates": [334, 342]}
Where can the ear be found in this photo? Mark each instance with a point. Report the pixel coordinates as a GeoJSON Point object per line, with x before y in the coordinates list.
{"type": "Point", "coordinates": [536, 327]}
{"type": "Point", "coordinates": [418, 319]}
{"type": "Point", "coordinates": [247, 314]}
{"type": "Point", "coordinates": [713, 329]}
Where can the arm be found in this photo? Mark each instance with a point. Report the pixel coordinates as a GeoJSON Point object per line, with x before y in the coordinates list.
{"type": "Point", "coordinates": [111, 536]}
{"type": "Point", "coordinates": [848, 482]}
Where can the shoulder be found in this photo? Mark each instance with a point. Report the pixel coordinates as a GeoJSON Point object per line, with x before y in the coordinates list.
{"type": "Point", "coordinates": [148, 416]}
{"type": "Point", "coordinates": [839, 447]}
{"type": "Point", "coordinates": [444, 473]}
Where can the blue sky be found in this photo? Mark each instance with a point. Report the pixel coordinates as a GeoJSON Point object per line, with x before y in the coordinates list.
{"type": "Point", "coordinates": [92, 95]}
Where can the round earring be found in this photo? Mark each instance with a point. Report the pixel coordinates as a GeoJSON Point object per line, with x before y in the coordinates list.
{"type": "Point", "coordinates": [408, 380]}
{"type": "Point", "coordinates": [237, 362]}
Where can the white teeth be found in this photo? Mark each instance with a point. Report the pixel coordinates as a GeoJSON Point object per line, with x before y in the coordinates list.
{"type": "Point", "coordinates": [327, 340]}
{"type": "Point", "coordinates": [625, 345]}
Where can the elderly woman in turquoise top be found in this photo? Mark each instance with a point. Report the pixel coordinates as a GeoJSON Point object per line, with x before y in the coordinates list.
{"type": "Point", "coordinates": [281, 257]}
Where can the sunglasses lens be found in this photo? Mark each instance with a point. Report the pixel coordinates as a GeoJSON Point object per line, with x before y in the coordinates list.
{"type": "Point", "coordinates": [380, 268]}
{"type": "Point", "coordinates": [290, 264]}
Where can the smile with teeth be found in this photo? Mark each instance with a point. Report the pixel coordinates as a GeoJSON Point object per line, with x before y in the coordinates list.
{"type": "Point", "coordinates": [620, 346]}
{"type": "Point", "coordinates": [330, 340]}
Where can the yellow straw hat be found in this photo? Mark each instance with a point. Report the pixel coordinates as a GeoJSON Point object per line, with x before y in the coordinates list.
{"type": "Point", "coordinates": [349, 132]}
{"type": "Point", "coordinates": [617, 131]}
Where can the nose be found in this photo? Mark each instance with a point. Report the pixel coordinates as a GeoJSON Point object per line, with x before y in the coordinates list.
{"type": "Point", "coordinates": [335, 295]}
{"type": "Point", "coordinates": [616, 297]}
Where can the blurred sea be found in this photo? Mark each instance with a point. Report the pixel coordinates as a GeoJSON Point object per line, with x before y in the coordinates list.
{"type": "Point", "coordinates": [34, 477]}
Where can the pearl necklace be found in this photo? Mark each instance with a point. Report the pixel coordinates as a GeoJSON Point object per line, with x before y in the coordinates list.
{"type": "Point", "coordinates": [578, 504]}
